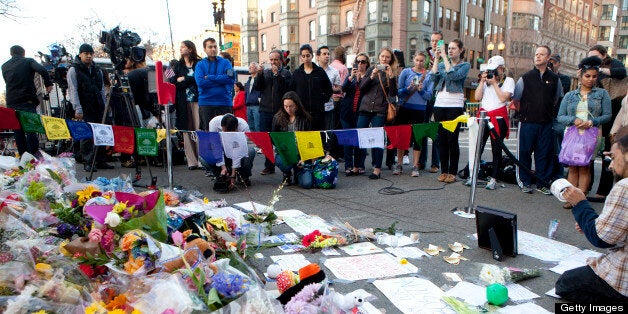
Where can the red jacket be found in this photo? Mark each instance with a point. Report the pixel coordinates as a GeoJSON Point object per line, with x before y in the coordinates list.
{"type": "Point", "coordinates": [239, 105]}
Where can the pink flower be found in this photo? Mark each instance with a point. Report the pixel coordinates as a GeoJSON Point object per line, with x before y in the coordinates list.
{"type": "Point", "coordinates": [107, 242]}
{"type": "Point", "coordinates": [177, 238]}
{"type": "Point", "coordinates": [95, 235]}
{"type": "Point", "coordinates": [310, 238]}
{"type": "Point", "coordinates": [169, 311]}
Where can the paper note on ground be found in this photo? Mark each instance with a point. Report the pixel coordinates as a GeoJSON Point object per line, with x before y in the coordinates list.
{"type": "Point", "coordinates": [292, 262]}
{"type": "Point", "coordinates": [361, 248]}
{"type": "Point", "coordinates": [552, 293]}
{"type": "Point", "coordinates": [248, 207]}
{"type": "Point", "coordinates": [525, 308]}
{"type": "Point", "coordinates": [517, 292]}
{"type": "Point", "coordinates": [368, 266]}
{"type": "Point", "coordinates": [574, 261]}
{"type": "Point", "coordinates": [291, 248]}
{"type": "Point", "coordinates": [543, 248]}
{"type": "Point", "coordinates": [406, 252]}
{"type": "Point", "coordinates": [330, 251]}
{"type": "Point", "coordinates": [305, 224]}
{"type": "Point", "coordinates": [470, 293]}
{"type": "Point", "coordinates": [413, 295]}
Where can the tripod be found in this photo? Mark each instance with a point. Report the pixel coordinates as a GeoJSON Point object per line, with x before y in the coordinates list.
{"type": "Point", "coordinates": [122, 88]}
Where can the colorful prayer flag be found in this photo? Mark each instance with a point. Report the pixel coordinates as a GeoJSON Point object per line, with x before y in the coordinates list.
{"type": "Point", "coordinates": [234, 145]}
{"type": "Point", "coordinates": [79, 130]}
{"type": "Point", "coordinates": [285, 143]}
{"type": "Point", "coordinates": [451, 125]}
{"type": "Point", "coordinates": [103, 134]}
{"type": "Point", "coordinates": [399, 136]}
{"type": "Point", "coordinates": [425, 129]}
{"type": "Point", "coordinates": [262, 140]}
{"type": "Point", "coordinates": [146, 140]}
{"type": "Point", "coordinates": [347, 137]}
{"type": "Point", "coordinates": [9, 120]}
{"type": "Point", "coordinates": [31, 122]}
{"type": "Point", "coordinates": [124, 138]}
{"type": "Point", "coordinates": [210, 147]}
{"type": "Point", "coordinates": [56, 129]}
{"type": "Point", "coordinates": [309, 144]}
{"type": "Point", "coordinates": [371, 137]}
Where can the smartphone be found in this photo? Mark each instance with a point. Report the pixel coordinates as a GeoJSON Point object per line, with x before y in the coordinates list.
{"type": "Point", "coordinates": [355, 65]}
{"type": "Point", "coordinates": [441, 43]}
{"type": "Point", "coordinates": [415, 80]}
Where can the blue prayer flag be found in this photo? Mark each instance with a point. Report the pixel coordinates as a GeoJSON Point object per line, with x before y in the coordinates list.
{"type": "Point", "coordinates": [347, 137]}
{"type": "Point", "coordinates": [210, 147]}
{"type": "Point", "coordinates": [79, 130]}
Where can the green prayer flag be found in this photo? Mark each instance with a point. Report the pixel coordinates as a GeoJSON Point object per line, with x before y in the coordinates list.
{"type": "Point", "coordinates": [425, 129]}
{"type": "Point", "coordinates": [286, 145]}
{"type": "Point", "coordinates": [146, 141]}
{"type": "Point", "coordinates": [31, 122]}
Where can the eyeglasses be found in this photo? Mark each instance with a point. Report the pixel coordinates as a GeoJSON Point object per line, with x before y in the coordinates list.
{"type": "Point", "coordinates": [588, 67]}
{"type": "Point", "coordinates": [361, 61]}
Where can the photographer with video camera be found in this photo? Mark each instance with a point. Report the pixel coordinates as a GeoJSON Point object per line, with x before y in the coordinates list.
{"type": "Point", "coordinates": [86, 90]}
{"type": "Point", "coordinates": [19, 73]}
{"type": "Point", "coordinates": [494, 90]}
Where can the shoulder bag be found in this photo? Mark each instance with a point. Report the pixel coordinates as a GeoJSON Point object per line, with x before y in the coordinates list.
{"type": "Point", "coordinates": [391, 113]}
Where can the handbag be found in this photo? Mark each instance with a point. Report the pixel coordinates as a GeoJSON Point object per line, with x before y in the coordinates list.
{"type": "Point", "coordinates": [325, 173]}
{"type": "Point", "coordinates": [391, 112]}
{"type": "Point", "coordinates": [577, 149]}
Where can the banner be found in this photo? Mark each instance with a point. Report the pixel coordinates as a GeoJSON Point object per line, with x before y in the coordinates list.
{"type": "Point", "coordinates": [425, 129]}
{"type": "Point", "coordinates": [347, 137]}
{"type": "Point", "coordinates": [262, 140]}
{"type": "Point", "coordinates": [146, 140]}
{"type": "Point", "coordinates": [210, 147]}
{"type": "Point", "coordinates": [124, 139]}
{"type": "Point", "coordinates": [103, 134]}
{"type": "Point", "coordinates": [399, 136]}
{"type": "Point", "coordinates": [451, 125]}
{"type": "Point", "coordinates": [234, 145]}
{"type": "Point", "coordinates": [285, 143]}
{"type": "Point", "coordinates": [309, 144]}
{"type": "Point", "coordinates": [371, 138]}
{"type": "Point", "coordinates": [79, 130]}
{"type": "Point", "coordinates": [31, 122]}
{"type": "Point", "coordinates": [9, 120]}
{"type": "Point", "coordinates": [56, 129]}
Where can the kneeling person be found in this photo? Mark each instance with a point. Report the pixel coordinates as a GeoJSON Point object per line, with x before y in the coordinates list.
{"type": "Point", "coordinates": [237, 170]}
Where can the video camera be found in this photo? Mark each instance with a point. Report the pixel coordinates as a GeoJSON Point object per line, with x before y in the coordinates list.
{"type": "Point", "coordinates": [121, 45]}
{"type": "Point", "coordinates": [56, 65]}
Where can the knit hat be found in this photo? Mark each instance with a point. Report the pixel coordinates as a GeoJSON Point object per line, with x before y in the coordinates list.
{"type": "Point", "coordinates": [86, 48]}
{"type": "Point", "coordinates": [555, 57]}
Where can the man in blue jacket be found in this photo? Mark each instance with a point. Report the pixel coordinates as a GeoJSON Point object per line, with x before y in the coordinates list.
{"type": "Point", "coordinates": [215, 78]}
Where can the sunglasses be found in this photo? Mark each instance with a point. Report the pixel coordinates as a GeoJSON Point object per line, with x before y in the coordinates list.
{"type": "Point", "coordinates": [361, 61]}
{"type": "Point", "coordinates": [587, 67]}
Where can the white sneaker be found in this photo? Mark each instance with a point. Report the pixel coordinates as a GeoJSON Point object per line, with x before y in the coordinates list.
{"type": "Point", "coordinates": [406, 160]}
{"type": "Point", "coordinates": [491, 184]}
{"type": "Point", "coordinates": [468, 182]}
{"type": "Point", "coordinates": [415, 172]}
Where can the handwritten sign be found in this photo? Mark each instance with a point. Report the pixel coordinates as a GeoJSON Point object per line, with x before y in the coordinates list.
{"type": "Point", "coordinates": [368, 266]}
{"type": "Point", "coordinates": [413, 295]}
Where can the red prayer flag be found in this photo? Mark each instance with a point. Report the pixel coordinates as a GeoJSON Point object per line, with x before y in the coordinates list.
{"type": "Point", "coordinates": [399, 136]}
{"type": "Point", "coordinates": [9, 120]}
{"type": "Point", "coordinates": [262, 140]}
{"type": "Point", "coordinates": [124, 139]}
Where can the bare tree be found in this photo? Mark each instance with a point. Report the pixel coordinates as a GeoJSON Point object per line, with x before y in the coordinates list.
{"type": "Point", "coordinates": [7, 9]}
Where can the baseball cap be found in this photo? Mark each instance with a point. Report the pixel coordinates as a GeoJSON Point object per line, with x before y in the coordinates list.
{"type": "Point", "coordinates": [86, 48]}
{"type": "Point", "coordinates": [555, 57]}
{"type": "Point", "coordinates": [495, 62]}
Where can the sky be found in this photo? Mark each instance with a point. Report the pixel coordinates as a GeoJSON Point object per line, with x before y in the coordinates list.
{"type": "Point", "coordinates": [40, 23]}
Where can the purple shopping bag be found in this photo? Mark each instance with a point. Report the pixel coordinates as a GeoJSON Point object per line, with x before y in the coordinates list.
{"type": "Point", "coordinates": [578, 146]}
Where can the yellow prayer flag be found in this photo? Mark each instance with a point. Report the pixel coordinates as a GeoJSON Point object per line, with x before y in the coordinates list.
{"type": "Point", "coordinates": [451, 125]}
{"type": "Point", "coordinates": [161, 134]}
{"type": "Point", "coordinates": [56, 128]}
{"type": "Point", "coordinates": [309, 144]}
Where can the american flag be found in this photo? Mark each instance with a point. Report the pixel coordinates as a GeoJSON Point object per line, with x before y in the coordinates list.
{"type": "Point", "coordinates": [169, 73]}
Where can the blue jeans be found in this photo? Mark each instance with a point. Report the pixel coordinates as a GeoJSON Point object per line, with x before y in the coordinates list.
{"type": "Point", "coordinates": [252, 115]}
{"type": "Point", "coordinates": [584, 286]}
{"type": "Point", "coordinates": [366, 120]}
{"type": "Point", "coordinates": [266, 125]}
{"type": "Point", "coordinates": [246, 165]}
{"type": "Point", "coordinates": [303, 176]}
{"type": "Point", "coordinates": [538, 139]}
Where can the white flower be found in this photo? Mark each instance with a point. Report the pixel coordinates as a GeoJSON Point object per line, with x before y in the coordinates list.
{"type": "Point", "coordinates": [112, 219]}
{"type": "Point", "coordinates": [492, 274]}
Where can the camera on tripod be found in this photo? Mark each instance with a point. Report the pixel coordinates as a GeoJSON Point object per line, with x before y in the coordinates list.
{"type": "Point", "coordinates": [122, 45]}
{"type": "Point", "coordinates": [491, 73]}
{"type": "Point", "coordinates": [57, 64]}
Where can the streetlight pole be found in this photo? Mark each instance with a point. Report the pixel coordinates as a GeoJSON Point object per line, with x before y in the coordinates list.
{"type": "Point", "coordinates": [219, 19]}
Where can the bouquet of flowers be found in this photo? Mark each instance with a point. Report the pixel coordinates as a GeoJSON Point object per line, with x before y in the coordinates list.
{"type": "Point", "coordinates": [491, 274]}
{"type": "Point", "coordinates": [315, 240]}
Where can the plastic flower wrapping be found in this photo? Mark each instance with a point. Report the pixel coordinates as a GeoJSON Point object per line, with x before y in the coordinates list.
{"type": "Point", "coordinates": [101, 247]}
{"type": "Point", "coordinates": [490, 274]}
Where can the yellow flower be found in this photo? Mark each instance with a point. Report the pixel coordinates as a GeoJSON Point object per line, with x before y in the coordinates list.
{"type": "Point", "coordinates": [85, 194]}
{"type": "Point", "coordinates": [136, 311]}
{"type": "Point", "coordinates": [62, 248]}
{"type": "Point", "coordinates": [128, 241]}
{"type": "Point", "coordinates": [44, 269]}
{"type": "Point", "coordinates": [119, 207]}
{"type": "Point", "coordinates": [40, 312]}
{"type": "Point", "coordinates": [117, 311]}
{"type": "Point", "coordinates": [219, 223]}
{"type": "Point", "coordinates": [205, 200]}
{"type": "Point", "coordinates": [96, 308]}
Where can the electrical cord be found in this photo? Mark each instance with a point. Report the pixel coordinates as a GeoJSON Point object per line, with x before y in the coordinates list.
{"type": "Point", "coordinates": [391, 190]}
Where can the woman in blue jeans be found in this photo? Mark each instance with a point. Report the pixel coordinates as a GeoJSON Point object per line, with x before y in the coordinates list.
{"type": "Point", "coordinates": [377, 86]}
{"type": "Point", "coordinates": [291, 117]}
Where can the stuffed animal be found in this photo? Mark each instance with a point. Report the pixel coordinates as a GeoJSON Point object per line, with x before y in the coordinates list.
{"type": "Point", "coordinates": [191, 255]}
{"type": "Point", "coordinates": [351, 301]}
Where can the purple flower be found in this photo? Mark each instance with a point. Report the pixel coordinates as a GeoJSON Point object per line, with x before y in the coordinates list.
{"type": "Point", "coordinates": [229, 286]}
{"type": "Point", "coordinates": [300, 307]}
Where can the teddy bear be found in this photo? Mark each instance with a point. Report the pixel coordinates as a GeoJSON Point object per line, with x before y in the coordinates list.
{"type": "Point", "coordinates": [191, 255]}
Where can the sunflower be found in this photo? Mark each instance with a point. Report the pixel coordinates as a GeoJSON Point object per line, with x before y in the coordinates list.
{"type": "Point", "coordinates": [86, 194]}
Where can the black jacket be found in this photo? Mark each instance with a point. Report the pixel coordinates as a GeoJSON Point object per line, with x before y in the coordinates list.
{"type": "Point", "coordinates": [181, 101]}
{"type": "Point", "coordinates": [18, 74]}
{"type": "Point", "coordinates": [273, 88]}
{"type": "Point", "coordinates": [539, 96]}
{"type": "Point", "coordinates": [373, 97]}
{"type": "Point", "coordinates": [138, 81]}
{"type": "Point", "coordinates": [346, 106]}
{"type": "Point", "coordinates": [314, 89]}
{"type": "Point", "coordinates": [252, 97]}
{"type": "Point", "coordinates": [89, 82]}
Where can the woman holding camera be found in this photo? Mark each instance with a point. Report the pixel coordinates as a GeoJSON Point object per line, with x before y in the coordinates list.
{"type": "Point", "coordinates": [415, 88]}
{"type": "Point", "coordinates": [494, 90]}
{"type": "Point", "coordinates": [291, 117]}
{"type": "Point", "coordinates": [377, 86]}
{"type": "Point", "coordinates": [349, 111]}
{"type": "Point", "coordinates": [585, 107]}
{"type": "Point", "coordinates": [449, 76]}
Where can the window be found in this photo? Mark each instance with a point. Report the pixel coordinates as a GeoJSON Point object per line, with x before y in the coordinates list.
{"type": "Point", "coordinates": [414, 11]}
{"type": "Point", "coordinates": [322, 24]}
{"type": "Point", "coordinates": [373, 11]}
{"type": "Point", "coordinates": [312, 3]}
{"type": "Point", "coordinates": [440, 17]}
{"type": "Point", "coordinates": [496, 6]}
{"type": "Point", "coordinates": [596, 9]}
{"type": "Point", "coordinates": [609, 12]}
{"type": "Point", "coordinates": [349, 16]}
{"type": "Point", "coordinates": [283, 6]}
{"type": "Point", "coordinates": [472, 27]}
{"type": "Point", "coordinates": [447, 19]}
{"type": "Point", "coordinates": [522, 49]}
{"type": "Point", "coordinates": [253, 43]}
{"type": "Point", "coordinates": [262, 16]}
{"type": "Point", "coordinates": [606, 33]}
{"type": "Point", "coordinates": [283, 34]}
{"type": "Point", "coordinates": [578, 32]}
{"type": "Point", "coordinates": [525, 21]}
{"type": "Point", "coordinates": [455, 23]}
{"type": "Point", "coordinates": [370, 48]}
{"type": "Point", "coordinates": [585, 15]}
{"type": "Point", "coordinates": [427, 14]}
{"type": "Point", "coordinates": [580, 8]}
{"type": "Point", "coordinates": [480, 28]}
{"type": "Point", "coordinates": [474, 2]}
{"type": "Point", "coordinates": [413, 47]}
{"type": "Point", "coordinates": [293, 5]}
{"type": "Point", "coordinates": [593, 32]}
{"type": "Point", "coordinates": [273, 17]}
{"type": "Point", "coordinates": [292, 35]}
{"type": "Point", "coordinates": [264, 42]}
{"type": "Point", "coordinates": [624, 6]}
{"type": "Point", "coordinates": [470, 57]}
{"type": "Point", "coordinates": [504, 7]}
{"type": "Point", "coordinates": [312, 30]}
{"type": "Point", "coordinates": [385, 10]}
{"type": "Point", "coordinates": [624, 23]}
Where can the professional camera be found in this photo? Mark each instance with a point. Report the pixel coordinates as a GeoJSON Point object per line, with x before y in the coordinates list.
{"type": "Point", "coordinates": [57, 64]}
{"type": "Point", "coordinates": [491, 73]}
{"type": "Point", "coordinates": [121, 45]}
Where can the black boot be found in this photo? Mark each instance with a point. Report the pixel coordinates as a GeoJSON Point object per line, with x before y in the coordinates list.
{"type": "Point", "coordinates": [287, 178]}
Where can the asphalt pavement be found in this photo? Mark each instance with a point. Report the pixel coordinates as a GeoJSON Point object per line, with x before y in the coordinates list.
{"type": "Point", "coordinates": [426, 209]}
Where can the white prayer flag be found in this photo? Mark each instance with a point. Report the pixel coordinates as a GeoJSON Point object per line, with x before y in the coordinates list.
{"type": "Point", "coordinates": [234, 145]}
{"type": "Point", "coordinates": [103, 134]}
{"type": "Point", "coordinates": [371, 137]}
